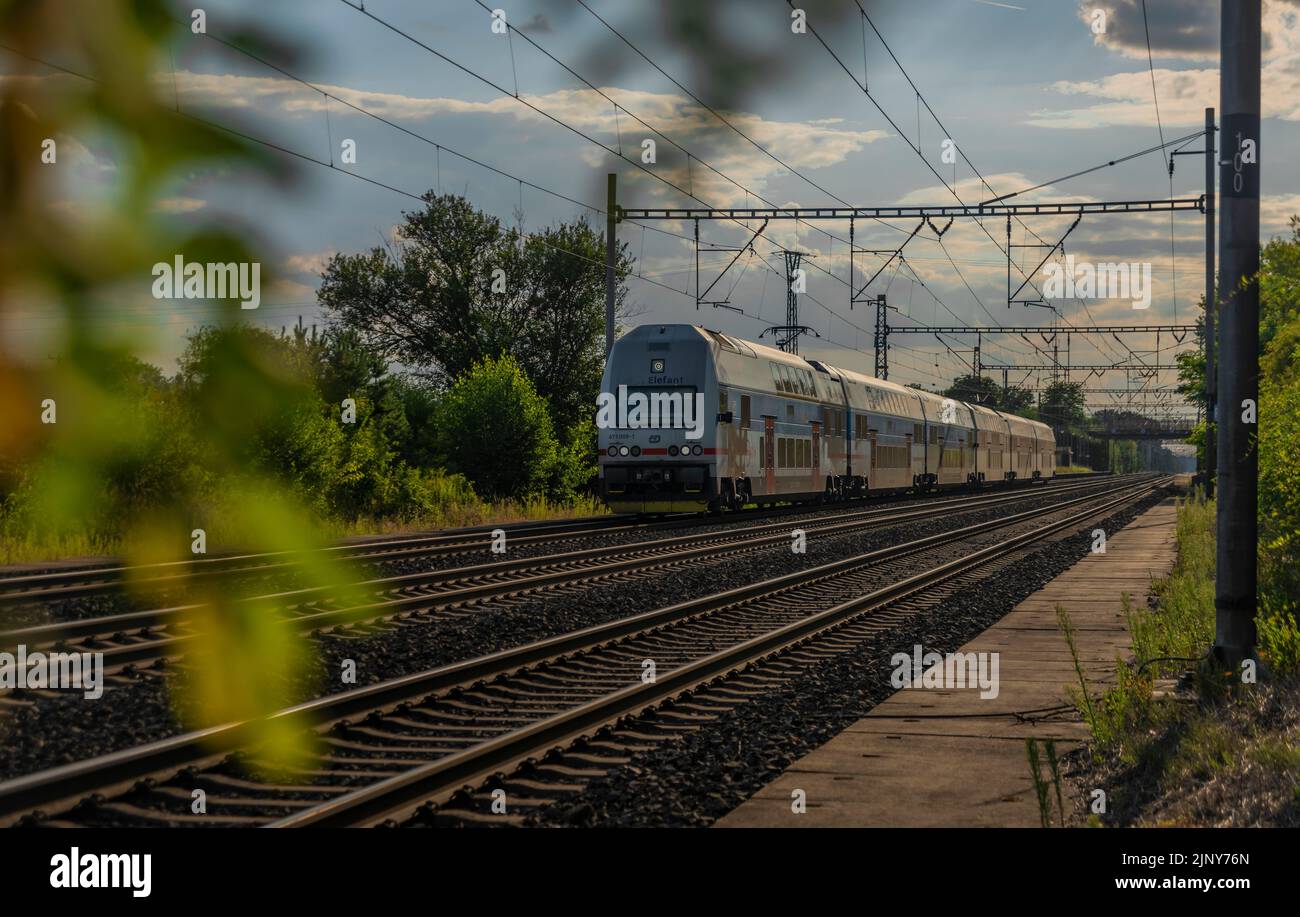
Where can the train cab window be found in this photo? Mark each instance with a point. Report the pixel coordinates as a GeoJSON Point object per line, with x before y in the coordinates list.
{"type": "Point", "coordinates": [744, 412]}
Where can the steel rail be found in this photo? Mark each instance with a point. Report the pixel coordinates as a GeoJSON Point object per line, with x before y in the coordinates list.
{"type": "Point", "coordinates": [398, 796]}
{"type": "Point", "coordinates": [110, 628]}
{"type": "Point", "coordinates": [119, 770]}
{"type": "Point", "coordinates": [95, 579]}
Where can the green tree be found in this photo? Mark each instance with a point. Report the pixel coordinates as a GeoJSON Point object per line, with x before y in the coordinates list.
{"type": "Point", "coordinates": [494, 429]}
{"type": "Point", "coordinates": [974, 389]}
{"type": "Point", "coordinates": [419, 407]}
{"type": "Point", "coordinates": [562, 343]}
{"type": "Point", "coordinates": [982, 390]}
{"type": "Point", "coordinates": [1017, 400]}
{"type": "Point", "coordinates": [1062, 406]}
{"type": "Point", "coordinates": [459, 287]}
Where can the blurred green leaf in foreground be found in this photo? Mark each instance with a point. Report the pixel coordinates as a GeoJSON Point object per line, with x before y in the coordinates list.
{"type": "Point", "coordinates": [90, 142]}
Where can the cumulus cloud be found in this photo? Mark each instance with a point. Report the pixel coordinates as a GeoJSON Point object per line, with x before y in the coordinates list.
{"type": "Point", "coordinates": [308, 263]}
{"type": "Point", "coordinates": [800, 144]}
{"type": "Point", "coordinates": [1186, 30]}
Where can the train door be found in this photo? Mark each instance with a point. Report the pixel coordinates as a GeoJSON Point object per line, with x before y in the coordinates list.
{"type": "Point", "coordinates": [874, 480]}
{"type": "Point", "coordinates": [769, 455]}
{"type": "Point", "coordinates": [746, 460]}
{"type": "Point", "coordinates": [816, 456]}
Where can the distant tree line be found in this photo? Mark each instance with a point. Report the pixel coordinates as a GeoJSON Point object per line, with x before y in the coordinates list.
{"type": "Point", "coordinates": [459, 364]}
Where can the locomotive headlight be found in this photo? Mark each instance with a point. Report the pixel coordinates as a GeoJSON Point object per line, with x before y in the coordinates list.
{"type": "Point", "coordinates": [614, 451]}
{"type": "Point", "coordinates": [636, 450]}
{"type": "Point", "coordinates": [656, 366]}
{"type": "Point", "coordinates": [697, 450]}
{"type": "Point", "coordinates": [672, 450]}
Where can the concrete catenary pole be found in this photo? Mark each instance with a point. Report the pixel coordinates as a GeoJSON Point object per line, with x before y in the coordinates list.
{"type": "Point", "coordinates": [1239, 79]}
{"type": "Point", "coordinates": [611, 259]}
{"type": "Point", "coordinates": [1211, 306]}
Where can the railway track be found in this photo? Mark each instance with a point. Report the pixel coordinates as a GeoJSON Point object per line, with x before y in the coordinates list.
{"type": "Point", "coordinates": [143, 637]}
{"type": "Point", "coordinates": [390, 750]}
{"type": "Point", "coordinates": [82, 581]}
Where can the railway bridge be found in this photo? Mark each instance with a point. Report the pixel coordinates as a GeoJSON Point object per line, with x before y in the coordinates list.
{"type": "Point", "coordinates": [1145, 428]}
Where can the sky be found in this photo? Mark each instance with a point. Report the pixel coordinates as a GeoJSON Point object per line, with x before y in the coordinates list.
{"type": "Point", "coordinates": [1027, 90]}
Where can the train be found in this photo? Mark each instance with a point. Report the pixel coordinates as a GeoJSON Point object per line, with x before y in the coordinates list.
{"type": "Point", "coordinates": [695, 420]}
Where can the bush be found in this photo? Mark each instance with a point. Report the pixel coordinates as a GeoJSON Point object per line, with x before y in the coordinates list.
{"type": "Point", "coordinates": [494, 429]}
{"type": "Point", "coordinates": [1279, 476]}
{"type": "Point", "coordinates": [187, 452]}
{"type": "Point", "coordinates": [575, 464]}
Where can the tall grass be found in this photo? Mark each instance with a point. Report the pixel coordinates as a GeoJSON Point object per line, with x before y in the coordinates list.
{"type": "Point", "coordinates": [1183, 625]}
{"type": "Point", "coordinates": [19, 546]}
{"type": "Point", "coordinates": [475, 512]}
{"type": "Point", "coordinates": [1167, 639]}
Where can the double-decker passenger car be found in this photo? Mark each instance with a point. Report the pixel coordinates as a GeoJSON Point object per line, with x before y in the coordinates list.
{"type": "Point", "coordinates": [693, 419]}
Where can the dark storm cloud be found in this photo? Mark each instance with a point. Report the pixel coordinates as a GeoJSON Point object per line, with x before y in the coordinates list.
{"type": "Point", "coordinates": [1178, 27]}
{"type": "Point", "coordinates": [1184, 28]}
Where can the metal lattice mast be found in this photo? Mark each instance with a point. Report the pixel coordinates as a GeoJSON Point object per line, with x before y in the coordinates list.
{"type": "Point", "coordinates": [787, 335]}
{"type": "Point", "coordinates": [790, 343]}
{"type": "Point", "coordinates": [882, 337]}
